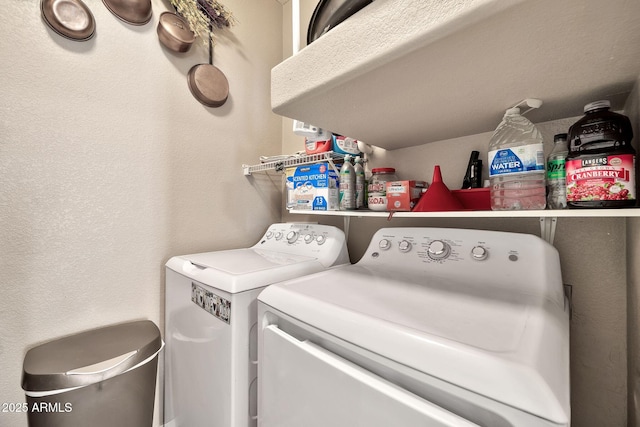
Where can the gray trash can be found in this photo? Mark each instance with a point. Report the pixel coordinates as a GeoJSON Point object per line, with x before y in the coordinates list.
{"type": "Point", "coordinates": [99, 378]}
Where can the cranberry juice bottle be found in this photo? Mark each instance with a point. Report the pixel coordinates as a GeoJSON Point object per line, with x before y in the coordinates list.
{"type": "Point", "coordinates": [600, 166]}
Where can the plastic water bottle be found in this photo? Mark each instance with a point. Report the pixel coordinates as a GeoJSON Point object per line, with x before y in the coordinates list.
{"type": "Point", "coordinates": [359, 172]}
{"type": "Point", "coordinates": [347, 185]}
{"type": "Point", "coordinates": [516, 164]}
{"type": "Point", "coordinates": [556, 175]}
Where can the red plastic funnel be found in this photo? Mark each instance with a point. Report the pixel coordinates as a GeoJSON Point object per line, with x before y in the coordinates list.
{"type": "Point", "coordinates": [438, 198]}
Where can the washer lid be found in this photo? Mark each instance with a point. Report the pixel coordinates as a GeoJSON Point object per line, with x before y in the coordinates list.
{"type": "Point", "coordinates": [243, 261]}
{"type": "Point", "coordinates": [243, 269]}
{"type": "Point", "coordinates": [513, 348]}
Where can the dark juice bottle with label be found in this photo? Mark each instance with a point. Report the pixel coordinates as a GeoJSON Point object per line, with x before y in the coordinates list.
{"type": "Point", "coordinates": [600, 166]}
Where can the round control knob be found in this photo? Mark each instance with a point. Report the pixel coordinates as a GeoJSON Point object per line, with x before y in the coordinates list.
{"type": "Point", "coordinates": [292, 236]}
{"type": "Point", "coordinates": [308, 238]}
{"type": "Point", "coordinates": [404, 246]}
{"type": "Point", "coordinates": [438, 250]}
{"type": "Point", "coordinates": [278, 235]}
{"type": "Point", "coordinates": [384, 244]}
{"type": "Point", "coordinates": [269, 234]}
{"type": "Point", "coordinates": [479, 253]}
{"type": "Point", "coordinates": [321, 239]}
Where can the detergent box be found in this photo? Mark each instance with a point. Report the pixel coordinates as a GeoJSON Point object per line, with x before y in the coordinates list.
{"type": "Point", "coordinates": [345, 145]}
{"type": "Point", "coordinates": [313, 187]}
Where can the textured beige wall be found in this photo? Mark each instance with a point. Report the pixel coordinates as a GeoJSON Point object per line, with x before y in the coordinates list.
{"type": "Point", "coordinates": [633, 272]}
{"type": "Point", "coordinates": [109, 166]}
{"type": "Point", "coordinates": [292, 143]}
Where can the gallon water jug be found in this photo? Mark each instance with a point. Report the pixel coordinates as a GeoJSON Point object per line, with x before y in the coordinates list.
{"type": "Point", "coordinates": [516, 164]}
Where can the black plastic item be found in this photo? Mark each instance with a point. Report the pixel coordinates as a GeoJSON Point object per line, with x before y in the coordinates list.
{"type": "Point", "coordinates": [466, 181]}
{"type": "Point", "coordinates": [329, 13]}
{"type": "Point", "coordinates": [476, 174]}
{"type": "Point", "coordinates": [100, 378]}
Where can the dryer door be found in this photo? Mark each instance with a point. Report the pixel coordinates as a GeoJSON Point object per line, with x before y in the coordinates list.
{"type": "Point", "coordinates": [303, 384]}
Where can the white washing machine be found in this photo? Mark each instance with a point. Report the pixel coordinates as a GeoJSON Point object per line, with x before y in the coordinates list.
{"type": "Point", "coordinates": [432, 327]}
{"type": "Point", "coordinates": [211, 313]}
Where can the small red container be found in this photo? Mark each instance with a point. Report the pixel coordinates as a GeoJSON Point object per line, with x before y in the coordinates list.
{"type": "Point", "coordinates": [315, 147]}
{"type": "Point", "coordinates": [475, 199]}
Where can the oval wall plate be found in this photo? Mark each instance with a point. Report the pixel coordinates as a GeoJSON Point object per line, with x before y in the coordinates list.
{"type": "Point", "coordinates": [71, 19]}
{"type": "Point", "coordinates": [134, 12]}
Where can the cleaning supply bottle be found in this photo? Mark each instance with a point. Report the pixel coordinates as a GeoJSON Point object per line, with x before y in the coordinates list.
{"type": "Point", "coordinates": [347, 185]}
{"type": "Point", "coordinates": [516, 164]}
{"type": "Point", "coordinates": [556, 176]}
{"type": "Point", "coordinates": [367, 181]}
{"type": "Point", "coordinates": [359, 173]}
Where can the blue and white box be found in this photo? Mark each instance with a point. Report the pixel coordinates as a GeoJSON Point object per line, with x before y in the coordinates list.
{"type": "Point", "coordinates": [313, 187]}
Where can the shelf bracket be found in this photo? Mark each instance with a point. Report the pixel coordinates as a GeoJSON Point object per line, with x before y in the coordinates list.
{"type": "Point", "coordinates": [347, 221]}
{"type": "Point", "coordinates": [548, 228]}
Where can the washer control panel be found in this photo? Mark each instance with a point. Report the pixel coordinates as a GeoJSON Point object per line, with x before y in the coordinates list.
{"type": "Point", "coordinates": [314, 240]}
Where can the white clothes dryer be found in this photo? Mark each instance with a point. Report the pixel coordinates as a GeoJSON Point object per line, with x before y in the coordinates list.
{"type": "Point", "coordinates": [432, 327]}
{"type": "Point", "coordinates": [211, 312]}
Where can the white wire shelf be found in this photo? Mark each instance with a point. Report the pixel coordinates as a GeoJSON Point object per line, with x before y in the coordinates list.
{"type": "Point", "coordinates": [281, 163]}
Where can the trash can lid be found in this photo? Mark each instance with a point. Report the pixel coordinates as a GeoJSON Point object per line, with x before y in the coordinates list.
{"type": "Point", "coordinates": [90, 357]}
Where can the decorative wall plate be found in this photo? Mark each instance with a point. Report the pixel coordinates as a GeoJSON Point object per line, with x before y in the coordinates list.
{"type": "Point", "coordinates": [71, 19]}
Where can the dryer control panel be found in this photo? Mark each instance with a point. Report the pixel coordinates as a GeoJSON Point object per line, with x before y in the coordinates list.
{"type": "Point", "coordinates": [488, 258]}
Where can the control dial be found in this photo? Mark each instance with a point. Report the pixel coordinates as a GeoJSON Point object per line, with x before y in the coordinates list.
{"type": "Point", "coordinates": [292, 236]}
{"type": "Point", "coordinates": [278, 235]}
{"type": "Point", "coordinates": [308, 238]}
{"type": "Point", "coordinates": [438, 250]}
{"type": "Point", "coordinates": [320, 239]}
{"type": "Point", "coordinates": [404, 246]}
{"type": "Point", "coordinates": [479, 253]}
{"type": "Point", "coordinates": [384, 244]}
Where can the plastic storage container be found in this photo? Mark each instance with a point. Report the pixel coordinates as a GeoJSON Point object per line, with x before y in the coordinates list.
{"type": "Point", "coordinates": [100, 378]}
{"type": "Point", "coordinates": [516, 164]}
{"type": "Point", "coordinates": [345, 145]}
{"type": "Point", "coordinates": [601, 161]}
{"type": "Point", "coordinates": [556, 174]}
{"type": "Point", "coordinates": [315, 146]}
{"type": "Point", "coordinates": [377, 188]}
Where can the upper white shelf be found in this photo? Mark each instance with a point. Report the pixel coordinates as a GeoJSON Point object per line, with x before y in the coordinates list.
{"type": "Point", "coordinates": [401, 73]}
{"type": "Point", "coordinates": [563, 213]}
